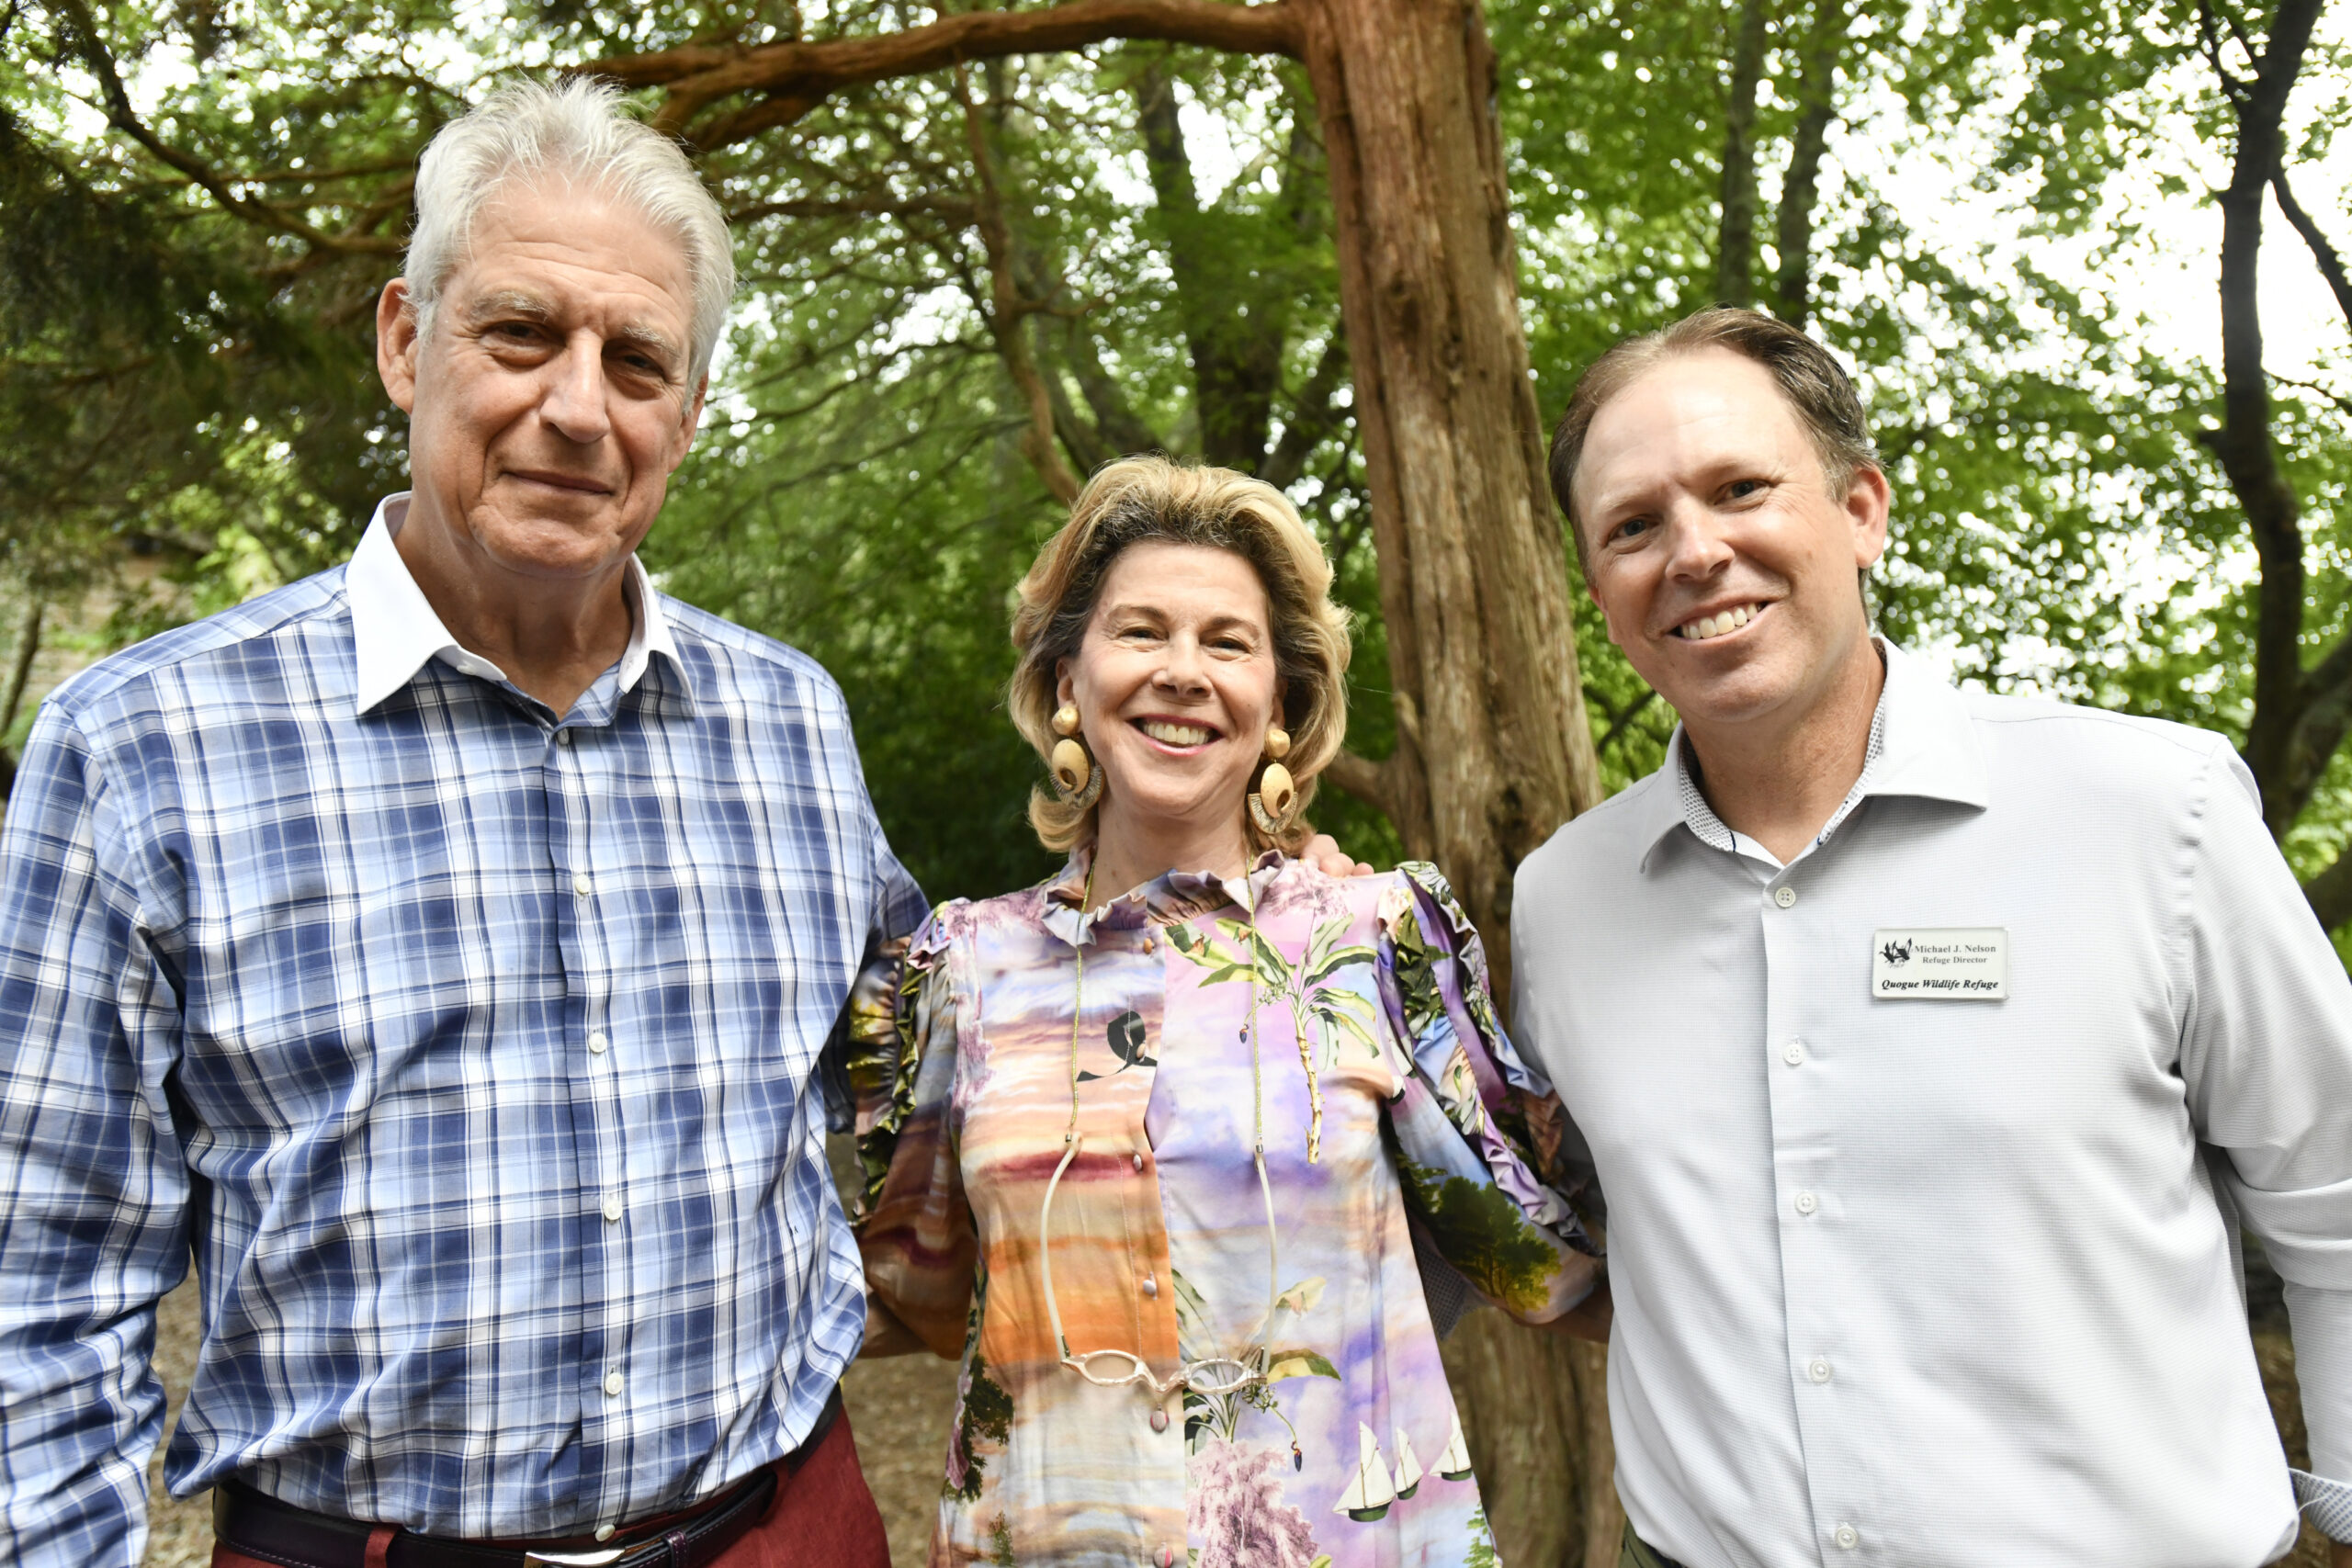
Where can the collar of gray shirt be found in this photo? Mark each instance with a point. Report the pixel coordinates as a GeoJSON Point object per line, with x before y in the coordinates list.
{"type": "Point", "coordinates": [1922, 744]}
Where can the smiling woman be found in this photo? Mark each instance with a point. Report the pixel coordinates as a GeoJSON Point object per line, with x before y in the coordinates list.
{"type": "Point", "coordinates": [1154, 1147]}
{"type": "Point", "coordinates": [1183, 613]}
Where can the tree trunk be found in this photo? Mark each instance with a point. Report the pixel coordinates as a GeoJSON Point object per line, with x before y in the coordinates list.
{"type": "Point", "coordinates": [1494, 750]}
{"type": "Point", "coordinates": [2279, 756]}
{"type": "Point", "coordinates": [1529, 1398]}
{"type": "Point", "coordinates": [1736, 238]}
{"type": "Point", "coordinates": [1817, 110]}
{"type": "Point", "coordinates": [20, 667]}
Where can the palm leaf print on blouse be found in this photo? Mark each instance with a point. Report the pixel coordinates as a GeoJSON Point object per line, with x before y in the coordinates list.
{"type": "Point", "coordinates": [1320, 1010]}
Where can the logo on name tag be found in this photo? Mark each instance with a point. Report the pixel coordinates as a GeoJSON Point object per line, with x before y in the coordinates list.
{"type": "Point", "coordinates": [1954, 963]}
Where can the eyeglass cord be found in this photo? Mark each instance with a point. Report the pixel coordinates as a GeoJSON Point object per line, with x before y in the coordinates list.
{"type": "Point", "coordinates": [1072, 1138]}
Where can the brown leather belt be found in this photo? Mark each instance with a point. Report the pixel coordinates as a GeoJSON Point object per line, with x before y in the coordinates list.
{"type": "Point", "coordinates": [259, 1525]}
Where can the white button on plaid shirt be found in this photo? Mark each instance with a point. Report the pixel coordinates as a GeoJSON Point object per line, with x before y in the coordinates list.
{"type": "Point", "coordinates": [1935, 1283]}
{"type": "Point", "coordinates": [472, 1050]}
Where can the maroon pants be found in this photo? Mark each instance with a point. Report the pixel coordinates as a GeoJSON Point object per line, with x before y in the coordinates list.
{"type": "Point", "coordinates": [823, 1516]}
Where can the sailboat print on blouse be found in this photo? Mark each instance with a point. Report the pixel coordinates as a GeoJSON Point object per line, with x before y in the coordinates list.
{"type": "Point", "coordinates": [1372, 1488]}
{"type": "Point", "coordinates": [1409, 1469]}
{"type": "Point", "coordinates": [1368, 1490]}
{"type": "Point", "coordinates": [1455, 1463]}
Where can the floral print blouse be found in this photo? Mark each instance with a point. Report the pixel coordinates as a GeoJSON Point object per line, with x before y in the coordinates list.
{"type": "Point", "coordinates": [963, 1062]}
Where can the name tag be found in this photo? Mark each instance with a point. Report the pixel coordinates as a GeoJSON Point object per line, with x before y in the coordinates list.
{"type": "Point", "coordinates": [1954, 963]}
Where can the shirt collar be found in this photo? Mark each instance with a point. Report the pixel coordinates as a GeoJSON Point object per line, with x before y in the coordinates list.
{"type": "Point", "coordinates": [396, 632]}
{"type": "Point", "coordinates": [1923, 744]}
{"type": "Point", "coordinates": [1172, 896]}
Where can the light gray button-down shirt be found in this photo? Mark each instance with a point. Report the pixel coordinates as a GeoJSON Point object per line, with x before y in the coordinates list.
{"type": "Point", "coordinates": [1953, 1281]}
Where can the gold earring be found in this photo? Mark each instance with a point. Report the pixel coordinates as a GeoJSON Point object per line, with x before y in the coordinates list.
{"type": "Point", "coordinates": [1076, 778]}
{"type": "Point", "coordinates": [1276, 799]}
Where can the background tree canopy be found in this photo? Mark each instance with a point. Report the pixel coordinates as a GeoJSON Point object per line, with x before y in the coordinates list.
{"type": "Point", "coordinates": [197, 204]}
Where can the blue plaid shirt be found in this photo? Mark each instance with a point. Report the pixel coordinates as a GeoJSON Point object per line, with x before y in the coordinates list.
{"type": "Point", "coordinates": [469, 1049]}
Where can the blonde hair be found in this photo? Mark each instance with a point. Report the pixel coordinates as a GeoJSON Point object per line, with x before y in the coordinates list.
{"type": "Point", "coordinates": [1139, 499]}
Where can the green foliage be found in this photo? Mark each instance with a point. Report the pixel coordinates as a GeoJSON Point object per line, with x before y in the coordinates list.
{"type": "Point", "coordinates": [188, 357]}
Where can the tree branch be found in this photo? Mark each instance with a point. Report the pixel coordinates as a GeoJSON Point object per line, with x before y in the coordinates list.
{"type": "Point", "coordinates": [1006, 309]}
{"type": "Point", "coordinates": [1624, 721]}
{"type": "Point", "coordinates": [796, 77]}
{"type": "Point", "coordinates": [2331, 264]}
{"type": "Point", "coordinates": [1121, 426]}
{"type": "Point", "coordinates": [1315, 416]}
{"type": "Point", "coordinates": [958, 209]}
{"type": "Point", "coordinates": [1736, 238]}
{"type": "Point", "coordinates": [2343, 403]}
{"type": "Point", "coordinates": [119, 114]}
{"type": "Point", "coordinates": [1235, 357]}
{"type": "Point", "coordinates": [2233, 87]}
{"type": "Point", "coordinates": [2329, 893]}
{"type": "Point", "coordinates": [1361, 777]}
{"type": "Point", "coordinates": [2278, 741]}
{"type": "Point", "coordinates": [1801, 191]}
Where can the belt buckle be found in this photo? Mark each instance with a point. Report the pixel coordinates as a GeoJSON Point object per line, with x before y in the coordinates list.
{"type": "Point", "coordinates": [601, 1559]}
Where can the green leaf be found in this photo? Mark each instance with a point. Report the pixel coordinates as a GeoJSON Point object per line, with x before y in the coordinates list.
{"type": "Point", "coordinates": [1300, 1364]}
{"type": "Point", "coordinates": [1333, 961]}
{"type": "Point", "coordinates": [1349, 1026]}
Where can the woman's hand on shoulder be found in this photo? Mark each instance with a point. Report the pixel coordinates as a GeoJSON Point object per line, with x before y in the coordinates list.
{"type": "Point", "coordinates": [1323, 852]}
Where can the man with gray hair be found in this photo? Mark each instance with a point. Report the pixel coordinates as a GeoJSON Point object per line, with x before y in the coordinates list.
{"type": "Point", "coordinates": [1930, 1047]}
{"type": "Point", "coordinates": [439, 950]}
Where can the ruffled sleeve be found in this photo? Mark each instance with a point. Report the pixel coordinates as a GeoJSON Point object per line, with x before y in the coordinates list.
{"type": "Point", "coordinates": [913, 1224]}
{"type": "Point", "coordinates": [1479, 1133]}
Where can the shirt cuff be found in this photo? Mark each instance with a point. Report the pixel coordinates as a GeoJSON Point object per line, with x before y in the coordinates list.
{"type": "Point", "coordinates": [2327, 1504]}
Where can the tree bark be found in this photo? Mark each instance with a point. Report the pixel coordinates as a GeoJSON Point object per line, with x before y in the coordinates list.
{"type": "Point", "coordinates": [1494, 750]}
{"type": "Point", "coordinates": [20, 667]}
{"type": "Point", "coordinates": [2279, 745]}
{"type": "Point", "coordinates": [1736, 238]}
{"type": "Point", "coordinates": [1530, 1398]}
{"type": "Point", "coordinates": [1801, 191]}
{"type": "Point", "coordinates": [1236, 334]}
{"type": "Point", "coordinates": [1473, 583]}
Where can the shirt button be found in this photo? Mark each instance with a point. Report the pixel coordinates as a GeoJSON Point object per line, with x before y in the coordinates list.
{"type": "Point", "coordinates": [1150, 1286]}
{"type": "Point", "coordinates": [564, 737]}
{"type": "Point", "coordinates": [1784, 896]}
{"type": "Point", "coordinates": [597, 1043]}
{"type": "Point", "coordinates": [1138, 1159]}
{"type": "Point", "coordinates": [1793, 1052]}
{"type": "Point", "coordinates": [613, 1207]}
{"type": "Point", "coordinates": [603, 1532]}
{"type": "Point", "coordinates": [1848, 1537]}
{"type": "Point", "coordinates": [612, 1385]}
{"type": "Point", "coordinates": [1819, 1370]}
{"type": "Point", "coordinates": [580, 883]}
{"type": "Point", "coordinates": [1807, 1203]}
{"type": "Point", "coordinates": [1159, 1420]}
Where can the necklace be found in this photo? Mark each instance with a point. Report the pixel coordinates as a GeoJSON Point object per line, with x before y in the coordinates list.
{"type": "Point", "coordinates": [1214, 1374]}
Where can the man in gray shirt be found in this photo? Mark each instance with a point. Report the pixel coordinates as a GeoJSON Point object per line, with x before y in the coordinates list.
{"type": "Point", "coordinates": [1930, 1047]}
